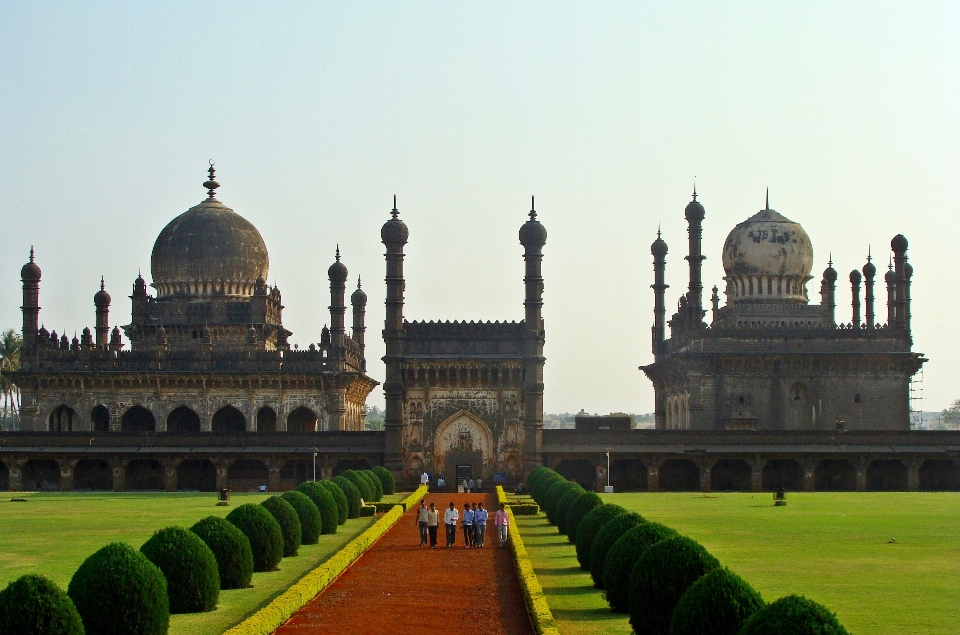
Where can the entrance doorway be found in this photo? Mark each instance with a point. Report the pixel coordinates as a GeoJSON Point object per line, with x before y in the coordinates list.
{"type": "Point", "coordinates": [464, 472]}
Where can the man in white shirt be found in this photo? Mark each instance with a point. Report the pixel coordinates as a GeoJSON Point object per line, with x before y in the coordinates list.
{"type": "Point", "coordinates": [422, 519]}
{"type": "Point", "coordinates": [424, 479]}
{"type": "Point", "coordinates": [450, 518]}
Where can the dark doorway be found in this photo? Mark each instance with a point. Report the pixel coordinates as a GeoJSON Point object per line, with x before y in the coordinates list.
{"type": "Point", "coordinates": [266, 419]}
{"type": "Point", "coordinates": [93, 475]}
{"type": "Point", "coordinates": [229, 420]}
{"type": "Point", "coordinates": [182, 420]}
{"type": "Point", "coordinates": [144, 475]}
{"type": "Point", "coordinates": [41, 476]}
{"type": "Point", "coordinates": [464, 473]}
{"type": "Point", "coordinates": [295, 472]}
{"type": "Point", "coordinates": [4, 477]}
{"type": "Point", "coordinates": [886, 475]}
{"type": "Point", "coordinates": [302, 420]}
{"type": "Point", "coordinates": [939, 475]}
{"type": "Point", "coordinates": [62, 419]}
{"type": "Point", "coordinates": [198, 475]}
{"type": "Point", "coordinates": [580, 471]}
{"type": "Point", "coordinates": [350, 464]}
{"type": "Point", "coordinates": [100, 417]}
{"type": "Point", "coordinates": [679, 475]}
{"type": "Point", "coordinates": [247, 475]}
{"type": "Point", "coordinates": [782, 474]}
{"type": "Point", "coordinates": [730, 475]}
{"type": "Point", "coordinates": [138, 419]}
{"type": "Point", "coordinates": [835, 475]}
{"type": "Point", "coordinates": [628, 475]}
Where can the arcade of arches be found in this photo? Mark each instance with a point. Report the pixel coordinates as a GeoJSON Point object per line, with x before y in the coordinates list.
{"type": "Point", "coordinates": [180, 420]}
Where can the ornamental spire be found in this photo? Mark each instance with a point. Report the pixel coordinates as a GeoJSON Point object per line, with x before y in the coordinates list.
{"type": "Point", "coordinates": [533, 209]}
{"type": "Point", "coordinates": [768, 198]}
{"type": "Point", "coordinates": [395, 212]}
{"type": "Point", "coordinates": [211, 182]}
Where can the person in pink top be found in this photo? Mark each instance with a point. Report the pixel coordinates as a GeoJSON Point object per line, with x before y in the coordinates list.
{"type": "Point", "coordinates": [502, 521]}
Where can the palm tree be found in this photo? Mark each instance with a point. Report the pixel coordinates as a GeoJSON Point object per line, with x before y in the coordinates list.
{"type": "Point", "coordinates": [10, 345]}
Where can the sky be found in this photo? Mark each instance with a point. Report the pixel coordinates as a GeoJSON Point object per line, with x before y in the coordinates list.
{"type": "Point", "coordinates": [317, 113]}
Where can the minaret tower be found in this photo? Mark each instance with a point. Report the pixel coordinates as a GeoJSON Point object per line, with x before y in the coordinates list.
{"type": "Point", "coordinates": [533, 236]}
{"type": "Point", "coordinates": [869, 273]}
{"type": "Point", "coordinates": [659, 251]}
{"type": "Point", "coordinates": [338, 290]}
{"type": "Point", "coordinates": [359, 301]}
{"type": "Point", "coordinates": [695, 214]}
{"type": "Point", "coordinates": [30, 275]}
{"type": "Point", "coordinates": [394, 234]}
{"type": "Point", "coordinates": [901, 281]}
{"type": "Point", "coordinates": [828, 293]}
{"type": "Point", "coordinates": [101, 300]}
{"type": "Point", "coordinates": [855, 298]}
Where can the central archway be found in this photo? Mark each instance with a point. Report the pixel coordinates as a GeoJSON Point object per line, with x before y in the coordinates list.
{"type": "Point", "coordinates": [183, 419]}
{"type": "Point", "coordinates": [138, 419]}
{"type": "Point", "coordinates": [463, 443]}
{"type": "Point", "coordinates": [228, 420]}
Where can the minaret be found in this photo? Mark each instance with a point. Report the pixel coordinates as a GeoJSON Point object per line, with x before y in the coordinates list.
{"type": "Point", "coordinates": [394, 235]}
{"type": "Point", "coordinates": [695, 214]}
{"type": "Point", "coordinates": [899, 247]}
{"type": "Point", "coordinates": [101, 300]}
{"type": "Point", "coordinates": [855, 293]}
{"type": "Point", "coordinates": [869, 273]}
{"type": "Point", "coordinates": [907, 275]}
{"type": "Point", "coordinates": [30, 276]}
{"type": "Point", "coordinates": [891, 279]}
{"type": "Point", "coordinates": [338, 290]}
{"type": "Point", "coordinates": [533, 236]}
{"type": "Point", "coordinates": [659, 251]}
{"type": "Point", "coordinates": [358, 299]}
{"type": "Point", "coordinates": [828, 294]}
{"type": "Point", "coordinates": [140, 301]}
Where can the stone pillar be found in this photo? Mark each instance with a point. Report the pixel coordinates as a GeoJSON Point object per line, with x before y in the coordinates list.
{"type": "Point", "coordinates": [653, 475]}
{"type": "Point", "coordinates": [117, 465]}
{"type": "Point", "coordinates": [705, 481]}
{"type": "Point", "coordinates": [862, 475]}
{"type": "Point", "coordinates": [170, 475]}
{"type": "Point", "coordinates": [66, 474]}
{"type": "Point", "coordinates": [223, 466]}
{"type": "Point", "coordinates": [913, 474]}
{"type": "Point", "coordinates": [273, 479]}
{"type": "Point", "coordinates": [756, 475]}
{"type": "Point", "coordinates": [15, 468]}
{"type": "Point", "coordinates": [809, 475]}
{"type": "Point", "coordinates": [600, 478]}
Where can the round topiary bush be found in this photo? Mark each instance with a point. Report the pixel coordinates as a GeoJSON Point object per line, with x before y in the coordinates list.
{"type": "Point", "coordinates": [563, 507]}
{"type": "Point", "coordinates": [582, 505]}
{"type": "Point", "coordinates": [660, 578]}
{"type": "Point", "coordinates": [286, 515]}
{"type": "Point", "coordinates": [375, 484]}
{"type": "Point", "coordinates": [343, 507]}
{"type": "Point", "coordinates": [188, 564]}
{"type": "Point", "coordinates": [543, 485]}
{"type": "Point", "coordinates": [387, 482]}
{"type": "Point", "coordinates": [327, 506]}
{"type": "Point", "coordinates": [117, 591]}
{"type": "Point", "coordinates": [34, 605]}
{"type": "Point", "coordinates": [588, 528]}
{"type": "Point", "coordinates": [716, 604]}
{"type": "Point", "coordinates": [264, 533]}
{"type": "Point", "coordinates": [535, 476]}
{"type": "Point", "coordinates": [230, 547]}
{"type": "Point", "coordinates": [360, 483]}
{"type": "Point", "coordinates": [311, 524]}
{"type": "Point", "coordinates": [552, 498]}
{"type": "Point", "coordinates": [623, 556]}
{"type": "Point", "coordinates": [606, 536]}
{"type": "Point", "coordinates": [351, 492]}
{"type": "Point", "coordinates": [793, 615]}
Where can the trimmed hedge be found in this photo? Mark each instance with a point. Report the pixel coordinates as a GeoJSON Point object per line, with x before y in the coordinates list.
{"type": "Point", "coordinates": [623, 556]}
{"type": "Point", "coordinates": [539, 494]}
{"type": "Point", "coordinates": [660, 578]}
{"type": "Point", "coordinates": [387, 482]}
{"type": "Point", "coordinates": [351, 492]}
{"type": "Point", "coordinates": [582, 505]}
{"type": "Point", "coordinates": [536, 477]}
{"type": "Point", "coordinates": [793, 615]}
{"type": "Point", "coordinates": [311, 524]}
{"type": "Point", "coordinates": [264, 533]}
{"type": "Point", "coordinates": [717, 604]}
{"type": "Point", "coordinates": [524, 509]}
{"type": "Point", "coordinates": [343, 507]}
{"type": "Point", "coordinates": [563, 507]}
{"type": "Point", "coordinates": [289, 521]}
{"type": "Point", "coordinates": [325, 502]}
{"type": "Point", "coordinates": [606, 536]}
{"type": "Point", "coordinates": [588, 528]}
{"type": "Point", "coordinates": [231, 549]}
{"type": "Point", "coordinates": [375, 484]}
{"type": "Point", "coordinates": [34, 605]}
{"type": "Point", "coordinates": [553, 495]}
{"type": "Point", "coordinates": [188, 564]}
{"type": "Point", "coordinates": [117, 591]}
{"type": "Point", "coordinates": [360, 483]}
{"type": "Point", "coordinates": [368, 510]}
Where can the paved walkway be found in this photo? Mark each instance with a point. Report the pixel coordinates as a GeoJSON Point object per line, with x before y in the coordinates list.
{"type": "Point", "coordinates": [399, 587]}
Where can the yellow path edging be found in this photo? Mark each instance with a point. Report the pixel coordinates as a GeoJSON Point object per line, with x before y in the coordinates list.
{"type": "Point", "coordinates": [272, 616]}
{"type": "Point", "coordinates": [537, 604]}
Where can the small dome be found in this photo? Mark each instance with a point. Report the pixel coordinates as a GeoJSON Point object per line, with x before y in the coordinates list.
{"type": "Point", "coordinates": [890, 276]}
{"type": "Point", "coordinates": [694, 210]}
{"type": "Point", "coordinates": [358, 297]}
{"type": "Point", "coordinates": [338, 271]}
{"type": "Point", "coordinates": [908, 270]}
{"type": "Point", "coordinates": [532, 232]}
{"type": "Point", "coordinates": [898, 244]}
{"type": "Point", "coordinates": [830, 274]}
{"type": "Point", "coordinates": [101, 298]}
{"type": "Point", "coordinates": [855, 277]}
{"type": "Point", "coordinates": [659, 247]}
{"type": "Point", "coordinates": [43, 332]}
{"type": "Point", "coordinates": [394, 231]}
{"type": "Point", "coordinates": [869, 269]}
{"type": "Point", "coordinates": [30, 271]}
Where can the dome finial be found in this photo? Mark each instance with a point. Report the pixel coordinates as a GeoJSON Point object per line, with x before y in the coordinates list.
{"type": "Point", "coordinates": [395, 212]}
{"type": "Point", "coordinates": [768, 198]}
{"type": "Point", "coordinates": [358, 282]}
{"type": "Point", "coordinates": [868, 254]}
{"type": "Point", "coordinates": [338, 252]}
{"type": "Point", "coordinates": [890, 266]}
{"type": "Point", "coordinates": [694, 188]}
{"type": "Point", "coordinates": [830, 260]}
{"type": "Point", "coordinates": [533, 209]}
{"type": "Point", "coordinates": [101, 283]}
{"type": "Point", "coordinates": [31, 253]}
{"type": "Point", "coordinates": [211, 183]}
{"type": "Point", "coordinates": [658, 224]}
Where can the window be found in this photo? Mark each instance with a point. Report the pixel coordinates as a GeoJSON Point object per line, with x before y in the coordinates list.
{"type": "Point", "coordinates": [856, 398]}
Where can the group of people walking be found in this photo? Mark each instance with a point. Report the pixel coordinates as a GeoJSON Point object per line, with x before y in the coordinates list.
{"type": "Point", "coordinates": [468, 485]}
{"type": "Point", "coordinates": [473, 523]}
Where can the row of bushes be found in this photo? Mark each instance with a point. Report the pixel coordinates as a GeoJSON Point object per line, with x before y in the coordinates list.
{"type": "Point", "coordinates": [668, 583]}
{"type": "Point", "coordinates": [119, 590]}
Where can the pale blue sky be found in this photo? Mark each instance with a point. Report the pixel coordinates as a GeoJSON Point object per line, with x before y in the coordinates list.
{"type": "Point", "coordinates": [318, 112]}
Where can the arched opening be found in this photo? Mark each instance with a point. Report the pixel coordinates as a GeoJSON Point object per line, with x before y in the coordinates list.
{"type": "Point", "coordinates": [295, 472]}
{"type": "Point", "coordinates": [510, 435]}
{"type": "Point", "coordinates": [93, 475]}
{"type": "Point", "coordinates": [100, 417]}
{"type": "Point", "coordinates": [63, 419]}
{"type": "Point", "coordinates": [138, 419]}
{"type": "Point", "coordinates": [143, 475]}
{"type": "Point", "coordinates": [679, 475]}
{"type": "Point", "coordinates": [835, 475]}
{"type": "Point", "coordinates": [783, 474]}
{"type": "Point", "coordinates": [4, 477]}
{"type": "Point", "coordinates": [228, 420]}
{"type": "Point", "coordinates": [41, 475]}
{"type": "Point", "coordinates": [628, 475]}
{"type": "Point", "coordinates": [939, 475]}
{"type": "Point", "coordinates": [416, 435]}
{"type": "Point", "coordinates": [579, 471]}
{"type": "Point", "coordinates": [199, 475]}
{"type": "Point", "coordinates": [350, 464]}
{"type": "Point", "coordinates": [182, 420]}
{"type": "Point", "coordinates": [302, 420]}
{"type": "Point", "coordinates": [247, 475]}
{"type": "Point", "coordinates": [266, 419]}
{"type": "Point", "coordinates": [886, 475]}
{"type": "Point", "coordinates": [730, 475]}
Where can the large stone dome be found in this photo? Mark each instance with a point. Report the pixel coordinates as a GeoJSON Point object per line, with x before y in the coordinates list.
{"type": "Point", "coordinates": [768, 257]}
{"type": "Point", "coordinates": [209, 250]}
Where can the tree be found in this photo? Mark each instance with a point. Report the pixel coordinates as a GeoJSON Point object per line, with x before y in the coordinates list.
{"type": "Point", "coordinates": [951, 416]}
{"type": "Point", "coordinates": [10, 346]}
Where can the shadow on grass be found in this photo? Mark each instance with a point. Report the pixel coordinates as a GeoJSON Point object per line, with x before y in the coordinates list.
{"type": "Point", "coordinates": [588, 615]}
{"type": "Point", "coordinates": [574, 590]}
{"type": "Point", "coordinates": [563, 571]}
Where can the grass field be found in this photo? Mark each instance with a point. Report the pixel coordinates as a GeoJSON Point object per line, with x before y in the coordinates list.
{"type": "Point", "coordinates": [831, 547]}
{"type": "Point", "coordinates": [52, 534]}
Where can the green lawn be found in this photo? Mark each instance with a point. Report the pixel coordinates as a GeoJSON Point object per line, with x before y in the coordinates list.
{"type": "Point", "coordinates": [52, 534]}
{"type": "Point", "coordinates": [831, 547]}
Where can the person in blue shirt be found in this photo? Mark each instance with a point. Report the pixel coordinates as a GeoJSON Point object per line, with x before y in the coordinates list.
{"type": "Point", "coordinates": [479, 525]}
{"type": "Point", "coordinates": [467, 524]}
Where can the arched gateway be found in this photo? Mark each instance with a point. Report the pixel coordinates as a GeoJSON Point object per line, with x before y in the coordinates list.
{"type": "Point", "coordinates": [463, 447]}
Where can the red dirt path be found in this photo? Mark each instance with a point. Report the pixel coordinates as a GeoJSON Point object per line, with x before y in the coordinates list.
{"type": "Point", "coordinates": [399, 587]}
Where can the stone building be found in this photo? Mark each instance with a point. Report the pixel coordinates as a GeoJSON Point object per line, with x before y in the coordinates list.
{"type": "Point", "coordinates": [464, 399]}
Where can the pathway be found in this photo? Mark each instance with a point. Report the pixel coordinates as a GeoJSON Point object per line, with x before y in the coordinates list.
{"type": "Point", "coordinates": [398, 587]}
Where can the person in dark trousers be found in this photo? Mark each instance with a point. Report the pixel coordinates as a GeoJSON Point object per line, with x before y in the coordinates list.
{"type": "Point", "coordinates": [480, 525]}
{"type": "Point", "coordinates": [473, 532]}
{"type": "Point", "coordinates": [467, 524]}
{"type": "Point", "coordinates": [422, 522]}
{"type": "Point", "coordinates": [450, 518]}
{"type": "Point", "coordinates": [433, 520]}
